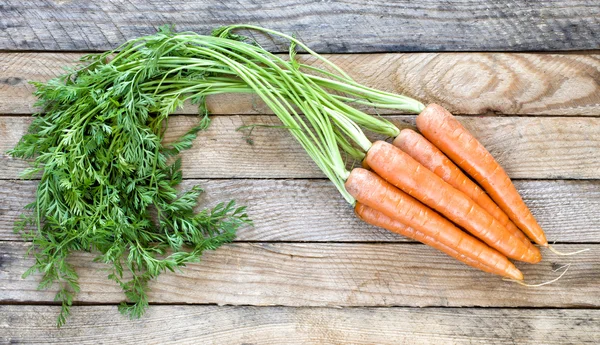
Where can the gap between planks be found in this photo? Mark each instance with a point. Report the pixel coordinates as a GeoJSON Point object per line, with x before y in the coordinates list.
{"type": "Point", "coordinates": [83, 304]}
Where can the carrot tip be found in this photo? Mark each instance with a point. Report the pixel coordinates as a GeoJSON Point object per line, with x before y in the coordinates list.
{"type": "Point", "coordinates": [514, 273]}
{"type": "Point", "coordinates": [544, 283]}
{"type": "Point", "coordinates": [566, 254]}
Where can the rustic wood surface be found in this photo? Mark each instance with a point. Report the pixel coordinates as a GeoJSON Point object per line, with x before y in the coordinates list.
{"type": "Point", "coordinates": [527, 147]}
{"type": "Point", "coordinates": [297, 210]}
{"type": "Point", "coordinates": [464, 83]}
{"type": "Point", "coordinates": [280, 325]}
{"type": "Point", "coordinates": [309, 272]}
{"type": "Point", "coordinates": [328, 274]}
{"type": "Point", "coordinates": [327, 26]}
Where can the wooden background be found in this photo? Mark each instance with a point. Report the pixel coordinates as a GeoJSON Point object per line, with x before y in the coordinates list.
{"type": "Point", "coordinates": [524, 76]}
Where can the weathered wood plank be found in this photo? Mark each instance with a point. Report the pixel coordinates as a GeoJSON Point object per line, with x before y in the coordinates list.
{"type": "Point", "coordinates": [332, 26]}
{"type": "Point", "coordinates": [279, 325]}
{"type": "Point", "coordinates": [477, 83]}
{"type": "Point", "coordinates": [327, 275]}
{"type": "Point", "coordinates": [527, 147]}
{"type": "Point", "coordinates": [312, 210]}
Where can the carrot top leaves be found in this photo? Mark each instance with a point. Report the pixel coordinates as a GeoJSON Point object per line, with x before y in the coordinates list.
{"type": "Point", "coordinates": [98, 145]}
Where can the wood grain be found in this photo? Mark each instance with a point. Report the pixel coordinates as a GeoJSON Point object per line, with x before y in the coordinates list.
{"type": "Point", "coordinates": [349, 283]}
{"type": "Point", "coordinates": [313, 210]}
{"type": "Point", "coordinates": [281, 325]}
{"type": "Point", "coordinates": [473, 83]}
{"type": "Point", "coordinates": [332, 26]}
{"type": "Point", "coordinates": [527, 147]}
{"type": "Point", "coordinates": [327, 275]}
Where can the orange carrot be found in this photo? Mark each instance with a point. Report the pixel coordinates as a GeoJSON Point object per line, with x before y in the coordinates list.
{"type": "Point", "coordinates": [373, 191]}
{"type": "Point", "coordinates": [436, 161]}
{"type": "Point", "coordinates": [469, 250]}
{"type": "Point", "coordinates": [401, 170]}
{"type": "Point", "coordinates": [446, 133]}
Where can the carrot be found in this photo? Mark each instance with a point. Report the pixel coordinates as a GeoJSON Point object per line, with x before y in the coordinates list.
{"type": "Point", "coordinates": [445, 132]}
{"type": "Point", "coordinates": [436, 161]}
{"type": "Point", "coordinates": [402, 171]}
{"type": "Point", "coordinates": [469, 250]}
{"type": "Point", "coordinates": [374, 192]}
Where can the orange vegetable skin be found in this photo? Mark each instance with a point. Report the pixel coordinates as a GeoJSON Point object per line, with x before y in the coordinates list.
{"type": "Point", "coordinates": [395, 210]}
{"type": "Point", "coordinates": [436, 161]}
{"type": "Point", "coordinates": [486, 259]}
{"type": "Point", "coordinates": [402, 171]}
{"type": "Point", "coordinates": [446, 133]}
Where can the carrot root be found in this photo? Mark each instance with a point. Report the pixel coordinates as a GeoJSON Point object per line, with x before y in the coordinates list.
{"type": "Point", "coordinates": [541, 284]}
{"type": "Point", "coordinates": [555, 251]}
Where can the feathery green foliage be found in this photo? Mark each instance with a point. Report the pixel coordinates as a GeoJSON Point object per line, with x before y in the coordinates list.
{"type": "Point", "coordinates": [98, 145]}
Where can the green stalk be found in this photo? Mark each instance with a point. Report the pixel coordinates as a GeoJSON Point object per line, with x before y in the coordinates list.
{"type": "Point", "coordinates": [344, 82]}
{"type": "Point", "coordinates": [223, 32]}
{"type": "Point", "coordinates": [321, 143]}
{"type": "Point", "coordinates": [351, 129]}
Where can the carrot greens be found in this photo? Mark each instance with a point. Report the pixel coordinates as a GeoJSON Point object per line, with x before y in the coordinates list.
{"type": "Point", "coordinates": [97, 144]}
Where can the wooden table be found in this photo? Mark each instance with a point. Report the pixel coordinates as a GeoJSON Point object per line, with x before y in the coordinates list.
{"type": "Point", "coordinates": [309, 271]}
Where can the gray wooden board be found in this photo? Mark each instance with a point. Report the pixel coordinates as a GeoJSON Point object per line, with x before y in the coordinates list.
{"type": "Point", "coordinates": [464, 83]}
{"type": "Point", "coordinates": [313, 210]}
{"type": "Point", "coordinates": [330, 26]}
{"type": "Point", "coordinates": [527, 147]}
{"type": "Point", "coordinates": [284, 289]}
{"type": "Point", "coordinates": [283, 325]}
{"type": "Point", "coordinates": [327, 274]}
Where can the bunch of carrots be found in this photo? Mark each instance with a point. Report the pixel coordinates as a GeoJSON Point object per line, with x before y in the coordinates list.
{"type": "Point", "coordinates": [420, 186]}
{"type": "Point", "coordinates": [440, 187]}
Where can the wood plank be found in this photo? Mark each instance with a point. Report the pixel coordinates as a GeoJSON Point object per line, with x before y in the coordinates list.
{"type": "Point", "coordinates": [331, 26]}
{"type": "Point", "coordinates": [327, 275]}
{"type": "Point", "coordinates": [527, 147]}
{"type": "Point", "coordinates": [278, 325]}
{"type": "Point", "coordinates": [471, 83]}
{"type": "Point", "coordinates": [312, 210]}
